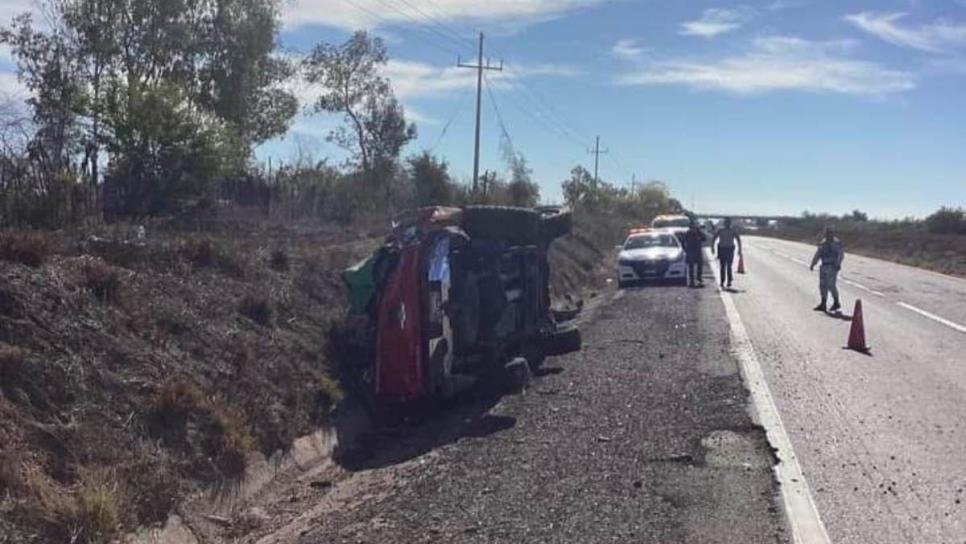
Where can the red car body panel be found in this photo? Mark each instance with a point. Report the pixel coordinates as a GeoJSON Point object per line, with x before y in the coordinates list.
{"type": "Point", "coordinates": [399, 341]}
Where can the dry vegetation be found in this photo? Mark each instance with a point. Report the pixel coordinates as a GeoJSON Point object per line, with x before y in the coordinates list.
{"type": "Point", "coordinates": [134, 371]}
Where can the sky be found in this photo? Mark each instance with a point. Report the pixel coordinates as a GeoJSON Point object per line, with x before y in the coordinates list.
{"type": "Point", "coordinates": [757, 107]}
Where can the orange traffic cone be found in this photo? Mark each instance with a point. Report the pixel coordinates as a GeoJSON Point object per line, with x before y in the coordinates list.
{"type": "Point", "coordinates": [741, 263]}
{"type": "Point", "coordinates": [857, 334]}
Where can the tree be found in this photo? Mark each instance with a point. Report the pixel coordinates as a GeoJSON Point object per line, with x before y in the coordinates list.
{"type": "Point", "coordinates": [97, 61]}
{"type": "Point", "coordinates": [858, 216]}
{"type": "Point", "coordinates": [49, 68]}
{"type": "Point", "coordinates": [375, 129]}
{"type": "Point", "coordinates": [431, 180]}
{"type": "Point", "coordinates": [240, 73]}
{"type": "Point", "coordinates": [947, 220]}
{"type": "Point", "coordinates": [579, 187]}
{"type": "Point", "coordinates": [521, 191]}
{"type": "Point", "coordinates": [163, 154]}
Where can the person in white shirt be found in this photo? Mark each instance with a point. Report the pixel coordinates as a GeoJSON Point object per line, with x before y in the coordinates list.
{"type": "Point", "coordinates": [727, 238]}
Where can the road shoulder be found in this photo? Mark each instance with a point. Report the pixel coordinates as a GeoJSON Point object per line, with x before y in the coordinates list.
{"type": "Point", "coordinates": [643, 436]}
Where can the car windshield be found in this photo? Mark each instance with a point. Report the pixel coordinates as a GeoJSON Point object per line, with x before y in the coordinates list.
{"type": "Point", "coordinates": [677, 222]}
{"type": "Point", "coordinates": [641, 242]}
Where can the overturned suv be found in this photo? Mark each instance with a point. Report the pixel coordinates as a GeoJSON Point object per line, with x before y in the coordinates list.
{"type": "Point", "coordinates": [454, 295]}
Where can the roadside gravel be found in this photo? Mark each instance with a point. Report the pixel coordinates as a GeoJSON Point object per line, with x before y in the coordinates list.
{"type": "Point", "coordinates": [643, 436]}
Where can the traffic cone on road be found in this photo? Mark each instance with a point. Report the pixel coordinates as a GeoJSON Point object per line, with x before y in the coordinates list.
{"type": "Point", "coordinates": [857, 334]}
{"type": "Point", "coordinates": [741, 263]}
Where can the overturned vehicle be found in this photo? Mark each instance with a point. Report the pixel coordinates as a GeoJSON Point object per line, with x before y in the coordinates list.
{"type": "Point", "coordinates": [455, 295]}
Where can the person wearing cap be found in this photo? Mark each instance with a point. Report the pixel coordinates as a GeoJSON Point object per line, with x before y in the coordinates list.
{"type": "Point", "coordinates": [727, 238]}
{"type": "Point", "coordinates": [830, 252]}
{"type": "Point", "coordinates": [693, 246]}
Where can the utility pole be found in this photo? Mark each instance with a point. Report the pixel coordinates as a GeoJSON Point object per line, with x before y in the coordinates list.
{"type": "Point", "coordinates": [479, 67]}
{"type": "Point", "coordinates": [597, 151]}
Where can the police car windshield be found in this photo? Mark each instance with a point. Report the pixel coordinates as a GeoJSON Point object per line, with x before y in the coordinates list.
{"type": "Point", "coordinates": [651, 240]}
{"type": "Point", "coordinates": [665, 223]}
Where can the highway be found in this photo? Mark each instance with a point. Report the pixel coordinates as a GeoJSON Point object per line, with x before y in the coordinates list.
{"type": "Point", "coordinates": [881, 439]}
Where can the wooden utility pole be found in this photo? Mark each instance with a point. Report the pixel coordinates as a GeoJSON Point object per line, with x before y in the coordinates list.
{"type": "Point", "coordinates": [597, 151]}
{"type": "Point", "coordinates": [479, 67]}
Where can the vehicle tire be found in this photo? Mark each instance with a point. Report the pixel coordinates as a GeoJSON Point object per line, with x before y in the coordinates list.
{"type": "Point", "coordinates": [564, 340]}
{"type": "Point", "coordinates": [555, 221]}
{"type": "Point", "coordinates": [535, 354]}
{"type": "Point", "coordinates": [564, 314]}
{"type": "Point", "coordinates": [518, 226]}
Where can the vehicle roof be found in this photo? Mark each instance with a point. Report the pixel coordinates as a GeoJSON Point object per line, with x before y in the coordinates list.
{"type": "Point", "coordinates": [650, 233]}
{"type": "Point", "coordinates": [672, 216]}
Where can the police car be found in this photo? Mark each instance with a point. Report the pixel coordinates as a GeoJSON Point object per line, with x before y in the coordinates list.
{"type": "Point", "coordinates": [651, 254]}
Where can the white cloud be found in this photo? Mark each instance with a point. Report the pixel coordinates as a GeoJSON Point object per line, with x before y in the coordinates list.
{"type": "Point", "coordinates": [937, 37]}
{"type": "Point", "coordinates": [779, 63]}
{"type": "Point", "coordinates": [369, 13]}
{"type": "Point", "coordinates": [714, 22]}
{"type": "Point", "coordinates": [627, 49]}
{"type": "Point", "coordinates": [413, 79]}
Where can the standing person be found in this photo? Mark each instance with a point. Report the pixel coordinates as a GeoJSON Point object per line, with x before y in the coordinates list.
{"type": "Point", "coordinates": [727, 238]}
{"type": "Point", "coordinates": [693, 246]}
{"type": "Point", "coordinates": [831, 252]}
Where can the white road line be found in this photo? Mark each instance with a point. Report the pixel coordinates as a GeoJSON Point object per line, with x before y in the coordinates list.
{"type": "Point", "coordinates": [934, 317]}
{"type": "Point", "coordinates": [800, 508]}
{"type": "Point", "coordinates": [864, 288]}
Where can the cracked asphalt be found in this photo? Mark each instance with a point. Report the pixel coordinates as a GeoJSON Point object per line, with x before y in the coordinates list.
{"type": "Point", "coordinates": [643, 436]}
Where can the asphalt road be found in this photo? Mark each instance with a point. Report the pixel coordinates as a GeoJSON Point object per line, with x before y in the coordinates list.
{"type": "Point", "coordinates": [644, 436]}
{"type": "Point", "coordinates": [881, 438]}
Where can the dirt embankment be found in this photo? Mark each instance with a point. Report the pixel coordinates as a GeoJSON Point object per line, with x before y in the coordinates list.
{"type": "Point", "coordinates": [914, 246]}
{"type": "Point", "coordinates": [134, 372]}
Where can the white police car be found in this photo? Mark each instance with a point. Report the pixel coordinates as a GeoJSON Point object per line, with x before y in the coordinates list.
{"type": "Point", "coordinates": [651, 254]}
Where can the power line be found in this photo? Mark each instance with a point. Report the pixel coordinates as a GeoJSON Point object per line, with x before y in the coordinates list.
{"type": "Point", "coordinates": [499, 116]}
{"type": "Point", "coordinates": [420, 34]}
{"type": "Point", "coordinates": [452, 117]}
{"type": "Point", "coordinates": [424, 22]}
{"type": "Point", "coordinates": [444, 29]}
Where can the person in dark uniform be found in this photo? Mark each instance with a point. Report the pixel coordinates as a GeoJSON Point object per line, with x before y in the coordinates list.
{"type": "Point", "coordinates": [830, 252]}
{"type": "Point", "coordinates": [693, 246]}
{"type": "Point", "coordinates": [727, 238]}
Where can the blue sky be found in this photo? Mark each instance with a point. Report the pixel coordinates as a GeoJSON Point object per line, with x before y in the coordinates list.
{"type": "Point", "coordinates": [758, 107]}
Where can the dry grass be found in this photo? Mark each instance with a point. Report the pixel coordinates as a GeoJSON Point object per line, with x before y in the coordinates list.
{"type": "Point", "coordinates": [102, 279]}
{"type": "Point", "coordinates": [176, 401]}
{"type": "Point", "coordinates": [258, 308]}
{"type": "Point", "coordinates": [225, 435]}
{"type": "Point", "coordinates": [329, 389]}
{"type": "Point", "coordinates": [30, 248]}
{"type": "Point", "coordinates": [10, 472]}
{"type": "Point", "coordinates": [228, 439]}
{"type": "Point", "coordinates": [12, 360]}
{"type": "Point", "coordinates": [96, 515]}
{"type": "Point", "coordinates": [207, 253]}
{"type": "Point", "coordinates": [178, 316]}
